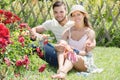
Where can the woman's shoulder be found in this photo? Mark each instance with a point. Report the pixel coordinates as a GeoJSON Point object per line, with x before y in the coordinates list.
{"type": "Point", "coordinates": [89, 30]}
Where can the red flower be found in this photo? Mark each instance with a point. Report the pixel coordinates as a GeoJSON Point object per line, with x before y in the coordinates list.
{"type": "Point", "coordinates": [38, 49]}
{"type": "Point", "coordinates": [26, 60]}
{"type": "Point", "coordinates": [19, 63]}
{"type": "Point", "coordinates": [16, 18]}
{"type": "Point", "coordinates": [40, 54]}
{"type": "Point", "coordinates": [22, 44]}
{"type": "Point", "coordinates": [8, 17]}
{"type": "Point", "coordinates": [46, 41]}
{"type": "Point", "coordinates": [21, 39]}
{"type": "Point", "coordinates": [23, 25]}
{"type": "Point", "coordinates": [8, 14]}
{"type": "Point", "coordinates": [4, 32]}
{"type": "Point", "coordinates": [3, 43]}
{"type": "Point", "coordinates": [7, 21]}
{"type": "Point", "coordinates": [3, 50]}
{"type": "Point", "coordinates": [1, 11]}
{"type": "Point", "coordinates": [4, 37]}
{"type": "Point", "coordinates": [42, 68]}
{"type": "Point", "coordinates": [7, 61]}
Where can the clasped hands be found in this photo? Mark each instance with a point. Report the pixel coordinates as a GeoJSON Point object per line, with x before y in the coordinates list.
{"type": "Point", "coordinates": [68, 52]}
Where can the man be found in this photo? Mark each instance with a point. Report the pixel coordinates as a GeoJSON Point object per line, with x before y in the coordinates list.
{"type": "Point", "coordinates": [57, 26]}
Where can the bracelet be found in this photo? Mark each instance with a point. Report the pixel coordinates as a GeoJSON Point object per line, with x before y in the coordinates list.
{"type": "Point", "coordinates": [76, 51]}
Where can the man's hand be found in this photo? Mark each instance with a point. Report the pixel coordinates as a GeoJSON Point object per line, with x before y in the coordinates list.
{"type": "Point", "coordinates": [32, 35]}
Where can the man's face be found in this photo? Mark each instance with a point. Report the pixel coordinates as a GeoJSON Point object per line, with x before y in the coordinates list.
{"type": "Point", "coordinates": [59, 13]}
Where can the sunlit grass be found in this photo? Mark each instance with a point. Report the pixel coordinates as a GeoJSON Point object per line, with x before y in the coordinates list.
{"type": "Point", "coordinates": [106, 58]}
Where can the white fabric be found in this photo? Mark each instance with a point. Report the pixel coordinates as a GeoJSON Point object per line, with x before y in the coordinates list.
{"type": "Point", "coordinates": [56, 28]}
{"type": "Point", "coordinates": [79, 45]}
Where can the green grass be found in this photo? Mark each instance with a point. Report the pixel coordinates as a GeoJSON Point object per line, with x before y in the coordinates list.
{"type": "Point", "coordinates": [106, 58]}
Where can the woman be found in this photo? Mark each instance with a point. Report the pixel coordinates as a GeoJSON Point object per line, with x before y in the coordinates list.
{"type": "Point", "coordinates": [80, 40]}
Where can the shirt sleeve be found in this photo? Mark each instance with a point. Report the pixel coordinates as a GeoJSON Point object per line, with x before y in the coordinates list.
{"type": "Point", "coordinates": [47, 24]}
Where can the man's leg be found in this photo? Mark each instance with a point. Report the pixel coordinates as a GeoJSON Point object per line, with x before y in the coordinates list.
{"type": "Point", "coordinates": [50, 55]}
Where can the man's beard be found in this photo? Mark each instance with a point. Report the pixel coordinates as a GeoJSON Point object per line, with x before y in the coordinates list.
{"type": "Point", "coordinates": [62, 19]}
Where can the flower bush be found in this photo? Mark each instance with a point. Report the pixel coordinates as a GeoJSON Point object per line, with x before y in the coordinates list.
{"type": "Point", "coordinates": [15, 45]}
{"type": "Point", "coordinates": [4, 37]}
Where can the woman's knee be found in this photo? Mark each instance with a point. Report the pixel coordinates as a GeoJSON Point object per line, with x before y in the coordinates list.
{"type": "Point", "coordinates": [80, 65]}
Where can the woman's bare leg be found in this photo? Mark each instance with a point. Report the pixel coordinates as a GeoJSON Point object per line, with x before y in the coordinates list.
{"type": "Point", "coordinates": [80, 65]}
{"type": "Point", "coordinates": [66, 67]}
{"type": "Point", "coordinates": [60, 60]}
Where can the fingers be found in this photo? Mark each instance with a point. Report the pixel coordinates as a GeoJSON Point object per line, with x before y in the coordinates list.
{"type": "Point", "coordinates": [59, 48]}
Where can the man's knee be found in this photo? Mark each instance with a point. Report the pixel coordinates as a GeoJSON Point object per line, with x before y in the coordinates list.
{"type": "Point", "coordinates": [50, 55]}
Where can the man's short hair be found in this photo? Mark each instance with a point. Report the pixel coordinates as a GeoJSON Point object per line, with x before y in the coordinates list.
{"type": "Point", "coordinates": [59, 3]}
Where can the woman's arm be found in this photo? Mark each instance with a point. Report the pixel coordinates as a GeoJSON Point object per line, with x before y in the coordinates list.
{"type": "Point", "coordinates": [91, 42]}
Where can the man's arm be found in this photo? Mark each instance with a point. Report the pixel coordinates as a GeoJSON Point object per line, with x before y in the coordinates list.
{"type": "Point", "coordinates": [35, 31]}
{"type": "Point", "coordinates": [38, 29]}
{"type": "Point", "coordinates": [62, 44]}
{"type": "Point", "coordinates": [65, 35]}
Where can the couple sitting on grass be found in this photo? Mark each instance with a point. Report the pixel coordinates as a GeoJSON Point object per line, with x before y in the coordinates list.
{"type": "Point", "coordinates": [75, 37]}
{"type": "Point", "coordinates": [74, 51]}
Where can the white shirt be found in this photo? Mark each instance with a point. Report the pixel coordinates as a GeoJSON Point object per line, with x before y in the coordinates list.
{"type": "Point", "coordinates": [80, 44]}
{"type": "Point", "coordinates": [56, 28]}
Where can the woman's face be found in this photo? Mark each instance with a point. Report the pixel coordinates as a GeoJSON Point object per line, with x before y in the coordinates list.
{"type": "Point", "coordinates": [77, 16]}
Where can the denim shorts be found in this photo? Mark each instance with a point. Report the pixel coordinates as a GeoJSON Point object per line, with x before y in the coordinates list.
{"type": "Point", "coordinates": [50, 55]}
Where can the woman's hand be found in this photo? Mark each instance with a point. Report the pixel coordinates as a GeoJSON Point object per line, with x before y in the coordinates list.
{"type": "Point", "coordinates": [60, 47]}
{"type": "Point", "coordinates": [89, 45]}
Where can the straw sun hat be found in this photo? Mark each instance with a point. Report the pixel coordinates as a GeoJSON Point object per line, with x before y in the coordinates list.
{"type": "Point", "coordinates": [77, 8]}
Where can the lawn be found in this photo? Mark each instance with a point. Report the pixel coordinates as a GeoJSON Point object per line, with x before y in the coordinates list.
{"type": "Point", "coordinates": [106, 58]}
